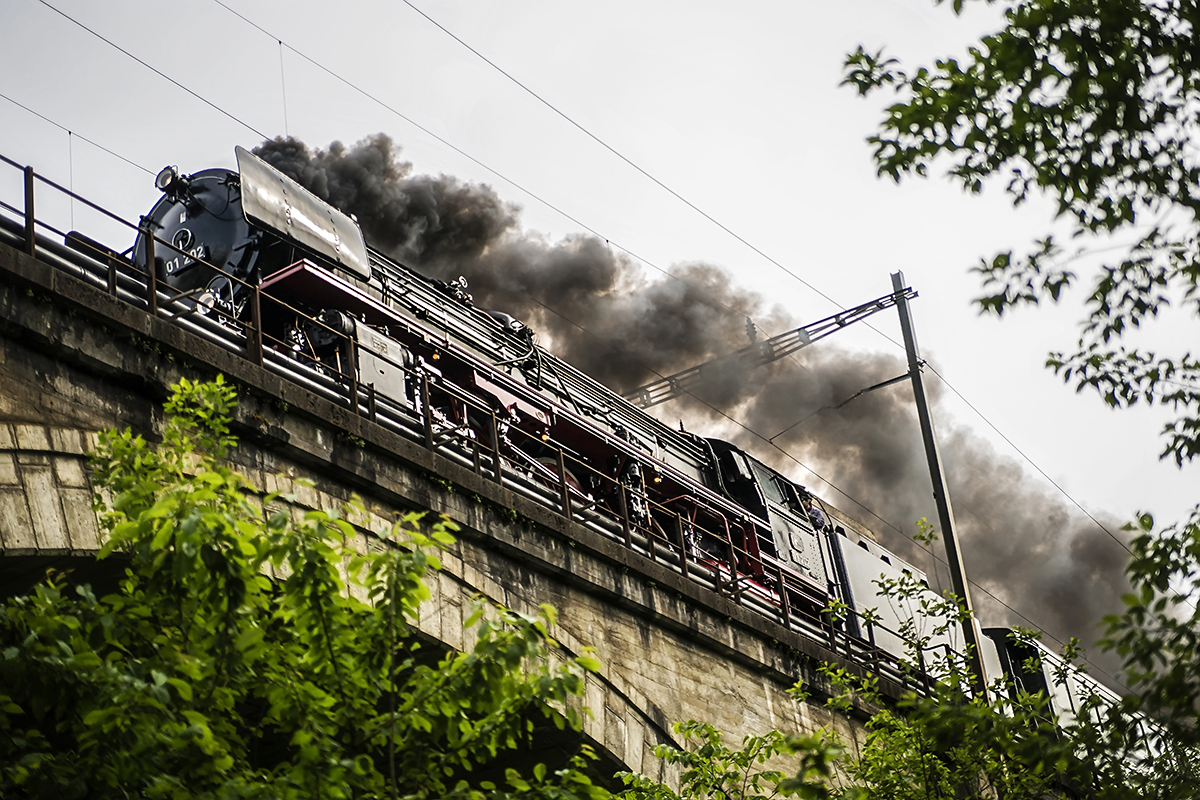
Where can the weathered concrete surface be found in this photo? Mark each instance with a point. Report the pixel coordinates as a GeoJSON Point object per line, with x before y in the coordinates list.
{"type": "Point", "coordinates": [74, 361]}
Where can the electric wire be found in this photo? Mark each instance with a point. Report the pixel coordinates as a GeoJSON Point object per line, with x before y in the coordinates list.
{"type": "Point", "coordinates": [71, 174]}
{"type": "Point", "coordinates": [157, 72]}
{"type": "Point", "coordinates": [564, 214]}
{"type": "Point", "coordinates": [618, 154]}
{"type": "Point", "coordinates": [576, 221]}
{"type": "Point", "coordinates": [751, 246]}
{"type": "Point", "coordinates": [770, 441]}
{"type": "Point", "coordinates": [573, 219]}
{"type": "Point", "coordinates": [283, 89]}
{"type": "Point", "coordinates": [1010, 443]}
{"type": "Point", "coordinates": [755, 249]}
{"type": "Point", "coordinates": [937, 559]}
{"type": "Point", "coordinates": [62, 127]}
{"type": "Point", "coordinates": [645, 173]}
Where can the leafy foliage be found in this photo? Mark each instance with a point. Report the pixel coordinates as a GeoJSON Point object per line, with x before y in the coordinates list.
{"type": "Point", "coordinates": [1020, 743]}
{"type": "Point", "coordinates": [1092, 103]}
{"type": "Point", "coordinates": [203, 676]}
{"type": "Point", "coordinates": [711, 769]}
{"type": "Point", "coordinates": [1158, 636]}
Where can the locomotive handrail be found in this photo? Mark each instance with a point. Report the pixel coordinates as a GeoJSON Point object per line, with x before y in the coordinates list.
{"type": "Point", "coordinates": [31, 175]}
{"type": "Point", "coordinates": [660, 530]}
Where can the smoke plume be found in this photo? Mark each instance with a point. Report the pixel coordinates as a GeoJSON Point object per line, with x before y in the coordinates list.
{"type": "Point", "coordinates": [599, 311]}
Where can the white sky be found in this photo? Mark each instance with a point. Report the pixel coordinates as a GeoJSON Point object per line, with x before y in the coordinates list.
{"type": "Point", "coordinates": [735, 106]}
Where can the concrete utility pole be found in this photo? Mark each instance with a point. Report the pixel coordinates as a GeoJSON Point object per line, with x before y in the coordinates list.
{"type": "Point", "coordinates": [941, 493]}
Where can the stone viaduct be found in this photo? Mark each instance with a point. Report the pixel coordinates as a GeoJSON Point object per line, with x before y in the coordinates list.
{"type": "Point", "coordinates": [74, 360]}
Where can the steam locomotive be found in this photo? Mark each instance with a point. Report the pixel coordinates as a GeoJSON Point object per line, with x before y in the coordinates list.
{"type": "Point", "coordinates": [354, 321]}
{"type": "Point", "coordinates": [252, 261]}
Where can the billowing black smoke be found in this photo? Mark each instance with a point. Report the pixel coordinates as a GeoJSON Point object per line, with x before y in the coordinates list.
{"type": "Point", "coordinates": [592, 306]}
{"type": "Point", "coordinates": [1022, 542]}
{"type": "Point", "coordinates": [598, 310]}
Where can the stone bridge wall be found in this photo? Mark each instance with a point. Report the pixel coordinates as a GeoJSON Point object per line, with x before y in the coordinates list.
{"type": "Point", "coordinates": [74, 361]}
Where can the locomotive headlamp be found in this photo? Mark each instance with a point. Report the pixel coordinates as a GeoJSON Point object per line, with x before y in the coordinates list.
{"type": "Point", "coordinates": [546, 436]}
{"type": "Point", "coordinates": [436, 355]}
{"type": "Point", "coordinates": [171, 183]}
{"type": "Point", "coordinates": [165, 178]}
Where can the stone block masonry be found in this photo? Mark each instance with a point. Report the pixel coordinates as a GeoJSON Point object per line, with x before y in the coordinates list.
{"type": "Point", "coordinates": [74, 361]}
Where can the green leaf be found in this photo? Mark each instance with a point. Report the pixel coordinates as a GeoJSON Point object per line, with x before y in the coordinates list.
{"type": "Point", "coordinates": [184, 689]}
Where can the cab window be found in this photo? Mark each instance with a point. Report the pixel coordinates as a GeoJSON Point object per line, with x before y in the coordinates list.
{"type": "Point", "coordinates": [766, 480]}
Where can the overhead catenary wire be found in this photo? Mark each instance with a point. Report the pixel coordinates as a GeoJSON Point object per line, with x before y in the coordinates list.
{"type": "Point", "coordinates": [520, 187]}
{"type": "Point", "coordinates": [617, 153]}
{"type": "Point", "coordinates": [283, 89]}
{"type": "Point", "coordinates": [641, 170]}
{"type": "Point", "coordinates": [157, 72]}
{"type": "Point", "coordinates": [93, 143]}
{"type": "Point", "coordinates": [748, 244]}
{"type": "Point", "coordinates": [1011, 444]}
{"type": "Point", "coordinates": [755, 249]}
{"type": "Point", "coordinates": [576, 221]}
{"type": "Point", "coordinates": [530, 193]}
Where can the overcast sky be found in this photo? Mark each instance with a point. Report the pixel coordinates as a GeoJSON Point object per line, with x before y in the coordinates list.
{"type": "Point", "coordinates": [736, 107]}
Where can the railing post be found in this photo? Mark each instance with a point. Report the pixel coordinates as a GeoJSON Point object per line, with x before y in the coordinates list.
{"type": "Point", "coordinates": [625, 515]}
{"type": "Point", "coordinates": [499, 464]}
{"type": "Point", "coordinates": [874, 648]}
{"type": "Point", "coordinates": [784, 603]}
{"type": "Point", "coordinates": [921, 666]}
{"type": "Point", "coordinates": [683, 565]}
{"type": "Point", "coordinates": [428, 411]}
{"type": "Point", "coordinates": [350, 364]}
{"type": "Point", "coordinates": [562, 483]}
{"type": "Point", "coordinates": [151, 274]}
{"type": "Point", "coordinates": [650, 544]}
{"type": "Point", "coordinates": [372, 408]}
{"type": "Point", "coordinates": [30, 244]}
{"type": "Point", "coordinates": [254, 344]}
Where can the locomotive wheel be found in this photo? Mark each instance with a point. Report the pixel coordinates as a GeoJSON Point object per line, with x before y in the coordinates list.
{"type": "Point", "coordinates": [551, 464]}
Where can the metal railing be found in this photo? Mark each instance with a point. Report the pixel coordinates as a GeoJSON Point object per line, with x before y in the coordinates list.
{"type": "Point", "coordinates": [685, 534]}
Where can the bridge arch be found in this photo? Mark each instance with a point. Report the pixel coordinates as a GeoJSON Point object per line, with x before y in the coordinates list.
{"type": "Point", "coordinates": [74, 360]}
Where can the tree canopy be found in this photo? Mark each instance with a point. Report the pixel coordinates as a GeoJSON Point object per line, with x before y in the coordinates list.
{"type": "Point", "coordinates": [253, 652]}
{"type": "Point", "coordinates": [1092, 103]}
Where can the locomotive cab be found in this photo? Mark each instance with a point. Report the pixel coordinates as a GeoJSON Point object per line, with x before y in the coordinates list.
{"type": "Point", "coordinates": [772, 497]}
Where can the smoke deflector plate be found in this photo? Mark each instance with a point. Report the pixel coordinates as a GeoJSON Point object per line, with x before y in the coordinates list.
{"type": "Point", "coordinates": [275, 201]}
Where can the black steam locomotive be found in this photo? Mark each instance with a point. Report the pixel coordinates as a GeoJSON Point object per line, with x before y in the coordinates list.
{"type": "Point", "coordinates": [254, 262]}
{"type": "Point", "coordinates": [354, 321]}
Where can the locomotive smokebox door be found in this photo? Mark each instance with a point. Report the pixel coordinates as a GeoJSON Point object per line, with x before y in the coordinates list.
{"type": "Point", "coordinates": [199, 227]}
{"type": "Point", "coordinates": [274, 201]}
